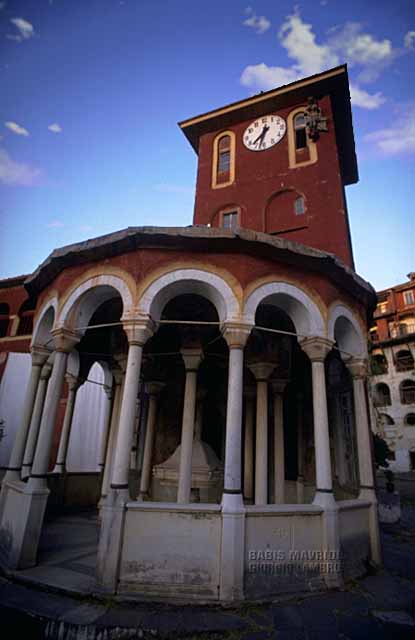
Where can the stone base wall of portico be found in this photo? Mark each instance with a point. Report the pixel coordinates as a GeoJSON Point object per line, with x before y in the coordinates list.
{"type": "Point", "coordinates": [173, 552]}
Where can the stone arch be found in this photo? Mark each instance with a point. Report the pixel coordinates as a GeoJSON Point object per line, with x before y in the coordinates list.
{"type": "Point", "coordinates": [209, 285]}
{"type": "Point", "coordinates": [44, 323]}
{"type": "Point", "coordinates": [302, 310]}
{"type": "Point", "coordinates": [344, 328]}
{"type": "Point", "coordinates": [83, 301]}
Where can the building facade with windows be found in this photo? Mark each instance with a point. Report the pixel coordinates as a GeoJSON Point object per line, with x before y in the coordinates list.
{"type": "Point", "coordinates": [234, 359]}
{"type": "Point", "coordinates": [392, 346]}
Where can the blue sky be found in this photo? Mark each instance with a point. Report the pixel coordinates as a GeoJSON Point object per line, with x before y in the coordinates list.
{"type": "Point", "coordinates": [92, 90]}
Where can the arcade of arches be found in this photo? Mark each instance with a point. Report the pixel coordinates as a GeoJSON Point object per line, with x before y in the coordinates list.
{"type": "Point", "coordinates": [221, 426]}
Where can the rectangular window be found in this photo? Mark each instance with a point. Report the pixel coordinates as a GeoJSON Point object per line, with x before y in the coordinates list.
{"type": "Point", "coordinates": [299, 207]}
{"type": "Point", "coordinates": [230, 220]}
{"type": "Point", "coordinates": [408, 297]}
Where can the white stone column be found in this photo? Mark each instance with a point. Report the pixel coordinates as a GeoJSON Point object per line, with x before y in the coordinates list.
{"type": "Point", "coordinates": [36, 419]}
{"type": "Point", "coordinates": [317, 349]}
{"type": "Point", "coordinates": [358, 371]}
{"type": "Point", "coordinates": [107, 422]}
{"type": "Point", "coordinates": [261, 371]}
{"type": "Point", "coordinates": [153, 389]}
{"type": "Point", "coordinates": [23, 510]}
{"type": "Point", "coordinates": [73, 386]}
{"type": "Point", "coordinates": [249, 445]}
{"type": "Point", "coordinates": [137, 334]}
{"type": "Point", "coordinates": [39, 357]}
{"type": "Point", "coordinates": [113, 508]}
{"type": "Point", "coordinates": [300, 449]}
{"type": "Point", "coordinates": [192, 359]}
{"type": "Point", "coordinates": [112, 438]}
{"type": "Point", "coordinates": [64, 340]}
{"type": "Point", "coordinates": [233, 509]}
{"type": "Point", "coordinates": [278, 387]}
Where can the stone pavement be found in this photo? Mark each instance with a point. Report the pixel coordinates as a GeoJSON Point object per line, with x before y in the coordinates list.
{"type": "Point", "coordinates": [381, 606]}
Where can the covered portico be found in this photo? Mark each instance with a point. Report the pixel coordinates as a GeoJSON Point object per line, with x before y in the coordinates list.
{"type": "Point", "coordinates": [220, 473]}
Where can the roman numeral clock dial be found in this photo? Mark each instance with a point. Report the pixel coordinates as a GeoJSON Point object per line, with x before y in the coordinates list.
{"type": "Point", "coordinates": [264, 132]}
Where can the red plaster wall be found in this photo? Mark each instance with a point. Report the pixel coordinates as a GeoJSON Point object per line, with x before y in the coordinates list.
{"type": "Point", "coordinates": [260, 175]}
{"type": "Point", "coordinates": [246, 269]}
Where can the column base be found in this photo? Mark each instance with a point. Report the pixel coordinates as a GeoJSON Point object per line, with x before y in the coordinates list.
{"type": "Point", "coordinates": [21, 524]}
{"type": "Point", "coordinates": [331, 537]}
{"type": "Point", "coordinates": [369, 494]}
{"type": "Point", "coordinates": [59, 468]}
{"type": "Point", "coordinates": [26, 469]}
{"type": "Point", "coordinates": [233, 548]}
{"type": "Point", "coordinates": [112, 516]}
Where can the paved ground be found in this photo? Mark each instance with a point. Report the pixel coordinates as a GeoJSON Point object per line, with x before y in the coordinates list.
{"type": "Point", "coordinates": [381, 606]}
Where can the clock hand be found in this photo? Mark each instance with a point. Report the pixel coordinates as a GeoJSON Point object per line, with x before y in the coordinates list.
{"type": "Point", "coordinates": [262, 135]}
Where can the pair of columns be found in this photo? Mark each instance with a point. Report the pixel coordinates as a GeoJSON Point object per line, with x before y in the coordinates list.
{"type": "Point", "coordinates": [33, 441]}
{"type": "Point", "coordinates": [262, 372]}
{"type": "Point", "coordinates": [192, 359]}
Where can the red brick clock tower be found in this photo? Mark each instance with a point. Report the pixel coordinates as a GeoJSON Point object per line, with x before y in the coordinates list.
{"type": "Point", "coordinates": [278, 163]}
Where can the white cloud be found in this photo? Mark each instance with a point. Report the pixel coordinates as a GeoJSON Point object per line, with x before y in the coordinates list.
{"type": "Point", "coordinates": [16, 173]}
{"type": "Point", "coordinates": [399, 138]}
{"type": "Point", "coordinates": [16, 128]}
{"type": "Point", "coordinates": [24, 27]}
{"type": "Point", "coordinates": [55, 224]}
{"type": "Point", "coordinates": [409, 40]}
{"type": "Point", "coordinates": [311, 57]}
{"type": "Point", "coordinates": [298, 39]}
{"type": "Point", "coordinates": [360, 48]}
{"type": "Point", "coordinates": [262, 77]}
{"type": "Point", "coordinates": [260, 24]}
{"type": "Point", "coordinates": [55, 128]}
{"type": "Point", "coordinates": [361, 98]}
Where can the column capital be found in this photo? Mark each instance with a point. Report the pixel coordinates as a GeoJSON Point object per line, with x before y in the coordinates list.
{"type": "Point", "coordinates": [154, 388]}
{"type": "Point", "coordinates": [72, 381]}
{"type": "Point", "coordinates": [191, 358]}
{"type": "Point", "coordinates": [358, 368]}
{"type": "Point", "coordinates": [316, 347]}
{"type": "Point", "coordinates": [46, 371]}
{"type": "Point", "coordinates": [65, 339]}
{"type": "Point", "coordinates": [39, 355]}
{"type": "Point", "coordinates": [262, 370]}
{"type": "Point", "coordinates": [278, 385]}
{"type": "Point", "coordinates": [138, 330]}
{"type": "Point", "coordinates": [236, 334]}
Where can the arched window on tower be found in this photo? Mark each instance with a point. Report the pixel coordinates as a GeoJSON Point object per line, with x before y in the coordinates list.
{"type": "Point", "coordinates": [26, 313]}
{"type": "Point", "coordinates": [301, 149]}
{"type": "Point", "coordinates": [300, 132]}
{"type": "Point", "coordinates": [223, 168]}
{"type": "Point", "coordinates": [4, 319]}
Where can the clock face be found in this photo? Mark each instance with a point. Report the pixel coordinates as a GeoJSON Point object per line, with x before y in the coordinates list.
{"type": "Point", "coordinates": [264, 132]}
